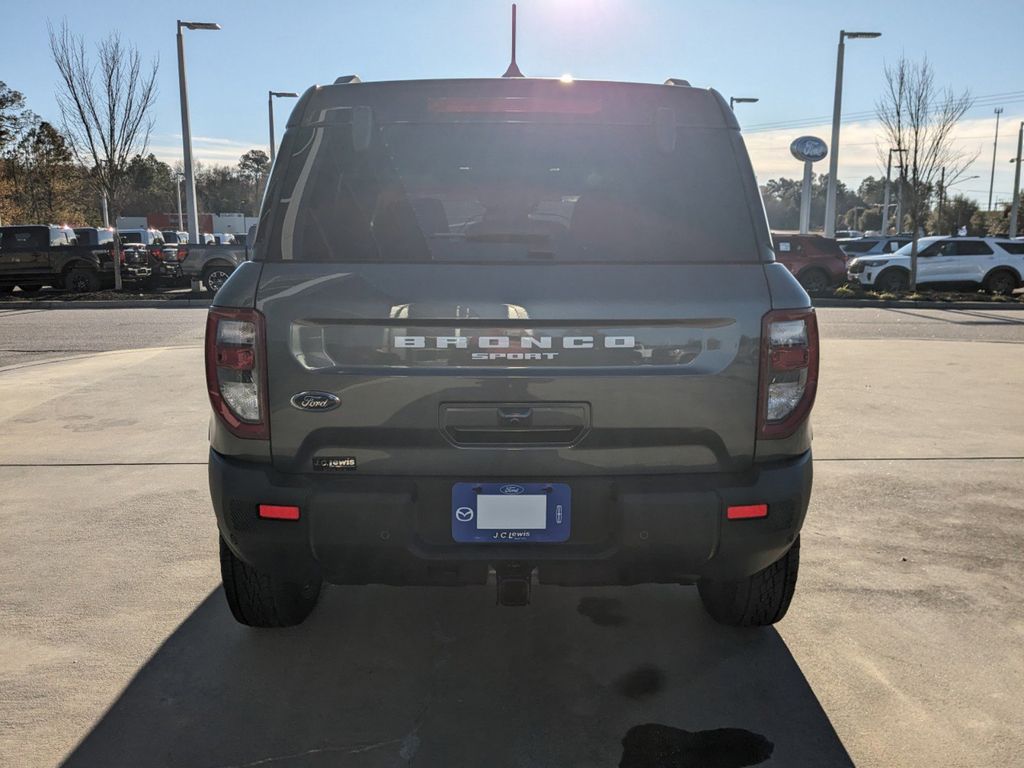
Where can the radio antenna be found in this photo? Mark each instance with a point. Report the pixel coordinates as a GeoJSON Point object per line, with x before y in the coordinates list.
{"type": "Point", "coordinates": [513, 68]}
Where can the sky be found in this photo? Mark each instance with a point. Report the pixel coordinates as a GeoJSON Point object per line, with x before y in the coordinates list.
{"type": "Point", "coordinates": [782, 52]}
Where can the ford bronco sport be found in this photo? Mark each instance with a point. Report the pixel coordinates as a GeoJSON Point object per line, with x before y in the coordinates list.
{"type": "Point", "coordinates": [516, 330]}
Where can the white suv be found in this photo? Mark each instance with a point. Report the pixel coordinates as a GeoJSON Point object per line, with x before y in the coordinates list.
{"type": "Point", "coordinates": [992, 262]}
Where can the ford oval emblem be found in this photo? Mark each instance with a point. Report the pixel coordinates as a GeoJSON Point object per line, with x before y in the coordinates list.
{"type": "Point", "coordinates": [809, 149]}
{"type": "Point", "coordinates": [315, 401]}
{"type": "Point", "coordinates": [511, 489]}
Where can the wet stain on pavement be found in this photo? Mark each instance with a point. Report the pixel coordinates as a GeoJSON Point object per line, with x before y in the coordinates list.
{"type": "Point", "coordinates": [645, 680]}
{"type": "Point", "coordinates": [661, 746]}
{"type": "Point", "coordinates": [603, 611]}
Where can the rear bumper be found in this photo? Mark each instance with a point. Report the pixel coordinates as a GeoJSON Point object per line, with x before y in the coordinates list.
{"type": "Point", "coordinates": [397, 530]}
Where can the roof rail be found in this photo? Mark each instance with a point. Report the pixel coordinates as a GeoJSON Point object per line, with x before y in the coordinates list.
{"type": "Point", "coordinates": [346, 79]}
{"type": "Point", "coordinates": [677, 81]}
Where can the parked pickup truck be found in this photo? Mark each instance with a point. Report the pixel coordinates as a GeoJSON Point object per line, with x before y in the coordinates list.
{"type": "Point", "coordinates": [32, 256]}
{"type": "Point", "coordinates": [213, 264]}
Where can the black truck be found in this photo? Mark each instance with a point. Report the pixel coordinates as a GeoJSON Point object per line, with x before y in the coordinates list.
{"type": "Point", "coordinates": [33, 256]}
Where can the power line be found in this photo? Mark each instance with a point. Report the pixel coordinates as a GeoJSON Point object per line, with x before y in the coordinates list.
{"type": "Point", "coordinates": [988, 100]}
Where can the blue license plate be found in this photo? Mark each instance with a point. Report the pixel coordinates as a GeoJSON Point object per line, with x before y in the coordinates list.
{"type": "Point", "coordinates": [508, 513]}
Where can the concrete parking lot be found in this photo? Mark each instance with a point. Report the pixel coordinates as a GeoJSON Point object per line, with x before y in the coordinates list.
{"type": "Point", "coordinates": [903, 646]}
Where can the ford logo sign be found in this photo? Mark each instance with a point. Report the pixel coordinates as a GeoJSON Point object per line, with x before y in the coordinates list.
{"type": "Point", "coordinates": [809, 149]}
{"type": "Point", "coordinates": [315, 401]}
{"type": "Point", "coordinates": [511, 489]}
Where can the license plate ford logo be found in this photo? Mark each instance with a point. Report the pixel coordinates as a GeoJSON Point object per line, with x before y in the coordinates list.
{"type": "Point", "coordinates": [510, 513]}
{"type": "Point", "coordinates": [315, 401]}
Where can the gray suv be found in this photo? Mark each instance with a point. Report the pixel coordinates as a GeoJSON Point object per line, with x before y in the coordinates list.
{"type": "Point", "coordinates": [513, 329]}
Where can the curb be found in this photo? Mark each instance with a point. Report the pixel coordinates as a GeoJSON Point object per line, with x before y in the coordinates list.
{"type": "Point", "coordinates": [901, 304]}
{"type": "Point", "coordinates": [109, 304]}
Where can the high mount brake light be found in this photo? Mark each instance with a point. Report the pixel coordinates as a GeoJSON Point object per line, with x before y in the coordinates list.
{"type": "Point", "coordinates": [514, 104]}
{"type": "Point", "coordinates": [236, 371]}
{"type": "Point", "coordinates": [789, 371]}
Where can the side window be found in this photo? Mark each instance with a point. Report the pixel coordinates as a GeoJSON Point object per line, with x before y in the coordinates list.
{"type": "Point", "coordinates": [1017, 249]}
{"type": "Point", "coordinates": [972, 248]}
{"type": "Point", "coordinates": [935, 249]}
{"type": "Point", "coordinates": [23, 240]}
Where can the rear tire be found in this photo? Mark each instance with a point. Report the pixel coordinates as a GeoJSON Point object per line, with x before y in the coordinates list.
{"type": "Point", "coordinates": [259, 599]}
{"type": "Point", "coordinates": [80, 280]}
{"type": "Point", "coordinates": [814, 280]}
{"type": "Point", "coordinates": [757, 601]}
{"type": "Point", "coordinates": [1002, 282]}
{"type": "Point", "coordinates": [214, 277]}
{"type": "Point", "coordinates": [892, 280]}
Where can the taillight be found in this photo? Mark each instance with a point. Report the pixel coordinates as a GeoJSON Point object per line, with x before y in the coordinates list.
{"type": "Point", "coordinates": [236, 371]}
{"type": "Point", "coordinates": [789, 370]}
{"type": "Point", "coordinates": [182, 253]}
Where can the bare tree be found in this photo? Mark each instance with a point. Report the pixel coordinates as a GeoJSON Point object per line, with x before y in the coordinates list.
{"type": "Point", "coordinates": [919, 118]}
{"type": "Point", "coordinates": [106, 106]}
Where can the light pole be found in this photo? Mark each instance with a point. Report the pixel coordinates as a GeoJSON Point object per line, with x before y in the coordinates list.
{"type": "Point", "coordinates": [181, 224]}
{"type": "Point", "coordinates": [1015, 208]}
{"type": "Point", "coordinates": [995, 143]}
{"type": "Point", "coordinates": [837, 109]}
{"type": "Point", "coordinates": [270, 111]}
{"type": "Point", "coordinates": [186, 129]}
{"type": "Point", "coordinates": [943, 187]}
{"type": "Point", "coordinates": [885, 204]}
{"type": "Point", "coordinates": [742, 100]}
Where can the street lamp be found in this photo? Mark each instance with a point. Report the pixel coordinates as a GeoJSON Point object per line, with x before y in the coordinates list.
{"type": "Point", "coordinates": [270, 110]}
{"type": "Point", "coordinates": [837, 108]}
{"type": "Point", "coordinates": [186, 129]}
{"type": "Point", "coordinates": [741, 100]}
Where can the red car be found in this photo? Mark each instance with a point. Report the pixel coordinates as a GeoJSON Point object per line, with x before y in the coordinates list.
{"type": "Point", "coordinates": [818, 262]}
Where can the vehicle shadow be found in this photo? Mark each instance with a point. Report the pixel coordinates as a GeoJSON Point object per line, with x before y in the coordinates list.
{"type": "Point", "coordinates": [378, 676]}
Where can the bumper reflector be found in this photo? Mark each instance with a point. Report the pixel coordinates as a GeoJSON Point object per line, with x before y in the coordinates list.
{"type": "Point", "coordinates": [275, 512]}
{"type": "Point", "coordinates": [748, 511]}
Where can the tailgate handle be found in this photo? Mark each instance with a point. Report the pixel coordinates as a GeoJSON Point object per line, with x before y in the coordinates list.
{"type": "Point", "coordinates": [515, 417]}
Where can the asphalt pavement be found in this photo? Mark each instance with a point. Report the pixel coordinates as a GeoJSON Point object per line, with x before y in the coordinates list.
{"type": "Point", "coordinates": [903, 646]}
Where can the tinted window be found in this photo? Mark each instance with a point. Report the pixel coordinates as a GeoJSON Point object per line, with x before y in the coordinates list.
{"type": "Point", "coordinates": [859, 246]}
{"type": "Point", "coordinates": [941, 248]}
{"type": "Point", "coordinates": [493, 191]}
{"type": "Point", "coordinates": [972, 248]}
{"type": "Point", "coordinates": [22, 238]}
{"type": "Point", "coordinates": [131, 237]}
{"type": "Point", "coordinates": [1015, 248]}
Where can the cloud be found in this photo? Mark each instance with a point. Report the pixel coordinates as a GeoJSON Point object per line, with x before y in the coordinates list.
{"type": "Point", "coordinates": [859, 153]}
{"type": "Point", "coordinates": [205, 149]}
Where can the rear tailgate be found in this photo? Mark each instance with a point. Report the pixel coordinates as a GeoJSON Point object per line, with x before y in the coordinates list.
{"type": "Point", "coordinates": [515, 369]}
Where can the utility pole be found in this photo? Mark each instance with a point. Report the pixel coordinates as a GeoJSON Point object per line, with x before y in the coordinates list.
{"type": "Point", "coordinates": [942, 189]}
{"type": "Point", "coordinates": [899, 199]}
{"type": "Point", "coordinates": [885, 205]}
{"type": "Point", "coordinates": [995, 143]}
{"type": "Point", "coordinates": [1015, 209]}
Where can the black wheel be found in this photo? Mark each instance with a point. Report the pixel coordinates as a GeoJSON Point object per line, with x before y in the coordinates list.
{"type": "Point", "coordinates": [757, 601]}
{"type": "Point", "coordinates": [892, 280]}
{"type": "Point", "coordinates": [259, 599]}
{"type": "Point", "coordinates": [214, 277]}
{"type": "Point", "coordinates": [813, 280]}
{"type": "Point", "coordinates": [81, 280]}
{"type": "Point", "coordinates": [1002, 282]}
{"type": "Point", "coordinates": [34, 288]}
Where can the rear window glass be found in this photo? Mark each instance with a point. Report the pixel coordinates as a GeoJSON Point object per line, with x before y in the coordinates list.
{"type": "Point", "coordinates": [1015, 248]}
{"type": "Point", "coordinates": [491, 191]}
